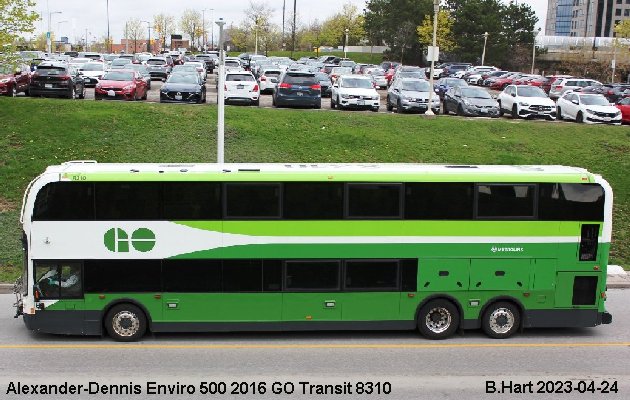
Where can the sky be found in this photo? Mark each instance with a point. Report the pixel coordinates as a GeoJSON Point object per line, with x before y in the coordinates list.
{"type": "Point", "coordinates": [80, 15]}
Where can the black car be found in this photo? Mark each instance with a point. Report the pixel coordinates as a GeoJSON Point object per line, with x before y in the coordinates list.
{"type": "Point", "coordinates": [470, 101]}
{"type": "Point", "coordinates": [612, 91]}
{"type": "Point", "coordinates": [444, 84]}
{"type": "Point", "coordinates": [57, 79]}
{"type": "Point", "coordinates": [210, 59]}
{"type": "Point", "coordinates": [452, 69]}
{"type": "Point", "coordinates": [159, 67]}
{"type": "Point", "coordinates": [325, 83]}
{"type": "Point", "coordinates": [298, 89]}
{"type": "Point", "coordinates": [183, 88]}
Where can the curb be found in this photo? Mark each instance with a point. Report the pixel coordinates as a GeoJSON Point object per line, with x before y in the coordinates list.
{"type": "Point", "coordinates": [6, 288]}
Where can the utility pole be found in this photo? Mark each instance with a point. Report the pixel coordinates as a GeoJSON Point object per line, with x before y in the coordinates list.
{"type": "Point", "coordinates": [149, 43]}
{"type": "Point", "coordinates": [126, 38]}
{"type": "Point", "coordinates": [293, 33]}
{"type": "Point", "coordinates": [483, 55]}
{"type": "Point", "coordinates": [49, 33]}
{"type": "Point", "coordinates": [87, 48]}
{"type": "Point", "coordinates": [203, 27]}
{"type": "Point", "coordinates": [109, 42]}
{"type": "Point", "coordinates": [221, 96]}
{"type": "Point", "coordinates": [284, 4]}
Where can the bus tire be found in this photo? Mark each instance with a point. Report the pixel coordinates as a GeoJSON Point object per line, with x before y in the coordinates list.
{"type": "Point", "coordinates": [438, 319]}
{"type": "Point", "coordinates": [501, 320]}
{"type": "Point", "coordinates": [125, 323]}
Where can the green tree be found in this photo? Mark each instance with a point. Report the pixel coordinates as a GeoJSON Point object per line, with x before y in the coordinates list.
{"type": "Point", "coordinates": [444, 38]}
{"type": "Point", "coordinates": [622, 29]}
{"type": "Point", "coordinates": [333, 30]}
{"type": "Point", "coordinates": [472, 18]}
{"type": "Point", "coordinates": [16, 18]}
{"type": "Point", "coordinates": [164, 26]}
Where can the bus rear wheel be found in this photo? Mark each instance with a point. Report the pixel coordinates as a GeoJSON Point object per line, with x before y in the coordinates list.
{"type": "Point", "coordinates": [438, 319]}
{"type": "Point", "coordinates": [501, 320]}
{"type": "Point", "coordinates": [125, 323]}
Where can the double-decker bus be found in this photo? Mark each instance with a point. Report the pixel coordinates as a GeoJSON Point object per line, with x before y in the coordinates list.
{"type": "Point", "coordinates": [127, 248]}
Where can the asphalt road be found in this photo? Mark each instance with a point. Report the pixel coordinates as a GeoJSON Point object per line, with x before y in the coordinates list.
{"type": "Point", "coordinates": [414, 367]}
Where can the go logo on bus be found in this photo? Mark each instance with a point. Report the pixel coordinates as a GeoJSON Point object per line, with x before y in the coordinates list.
{"type": "Point", "coordinates": [117, 240]}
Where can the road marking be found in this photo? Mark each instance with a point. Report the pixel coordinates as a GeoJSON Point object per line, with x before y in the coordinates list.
{"type": "Point", "coordinates": [309, 346]}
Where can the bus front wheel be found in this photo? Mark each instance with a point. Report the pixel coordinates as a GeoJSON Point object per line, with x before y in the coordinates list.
{"type": "Point", "coordinates": [438, 319]}
{"type": "Point", "coordinates": [125, 323]}
{"type": "Point", "coordinates": [501, 320]}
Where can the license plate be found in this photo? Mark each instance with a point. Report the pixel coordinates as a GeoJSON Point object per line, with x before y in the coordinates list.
{"type": "Point", "coordinates": [483, 111]}
{"type": "Point", "coordinates": [178, 97]}
{"type": "Point", "coordinates": [240, 86]}
{"type": "Point", "coordinates": [607, 119]}
{"type": "Point", "coordinates": [48, 85]}
{"type": "Point", "coordinates": [300, 94]}
{"type": "Point", "coordinates": [274, 80]}
{"type": "Point", "coordinates": [361, 102]}
{"type": "Point", "coordinates": [111, 93]}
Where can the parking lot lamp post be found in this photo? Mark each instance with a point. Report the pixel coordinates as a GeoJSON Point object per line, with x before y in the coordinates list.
{"type": "Point", "coordinates": [534, 49]}
{"type": "Point", "coordinates": [49, 36]}
{"type": "Point", "coordinates": [483, 54]}
{"type": "Point", "coordinates": [345, 45]}
{"type": "Point", "coordinates": [256, 27]}
{"type": "Point", "coordinates": [436, 10]}
{"type": "Point", "coordinates": [109, 42]}
{"type": "Point", "coordinates": [212, 30]}
{"type": "Point", "coordinates": [149, 42]}
{"type": "Point", "coordinates": [221, 94]}
{"type": "Point", "coordinates": [203, 28]}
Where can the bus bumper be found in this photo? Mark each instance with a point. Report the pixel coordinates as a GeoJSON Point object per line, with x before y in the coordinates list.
{"type": "Point", "coordinates": [67, 322]}
{"type": "Point", "coordinates": [606, 318]}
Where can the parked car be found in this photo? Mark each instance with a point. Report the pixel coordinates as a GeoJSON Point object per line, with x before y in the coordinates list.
{"type": "Point", "coordinates": [14, 80]}
{"type": "Point", "coordinates": [444, 84]}
{"type": "Point", "coordinates": [470, 101]}
{"type": "Point", "coordinates": [124, 84]}
{"type": "Point", "coordinates": [301, 89]}
{"type": "Point", "coordinates": [379, 78]}
{"type": "Point", "coordinates": [57, 79]}
{"type": "Point", "coordinates": [450, 70]}
{"type": "Point", "coordinates": [158, 68]}
{"type": "Point", "coordinates": [91, 55]}
{"type": "Point", "coordinates": [526, 102]}
{"type": "Point", "coordinates": [134, 58]}
{"type": "Point", "coordinates": [233, 64]}
{"type": "Point", "coordinates": [119, 63]}
{"type": "Point", "coordinates": [144, 71]}
{"type": "Point", "coordinates": [501, 82]}
{"type": "Point", "coordinates": [325, 83]}
{"type": "Point", "coordinates": [336, 72]}
{"type": "Point", "coordinates": [411, 94]}
{"type": "Point", "coordinates": [624, 106]}
{"type": "Point", "coordinates": [563, 85]}
{"type": "Point", "coordinates": [385, 65]}
{"type": "Point", "coordinates": [183, 88]}
{"type": "Point", "coordinates": [268, 79]}
{"type": "Point", "coordinates": [550, 79]}
{"type": "Point", "coordinates": [587, 108]}
{"type": "Point", "coordinates": [612, 91]}
{"type": "Point", "coordinates": [241, 86]}
{"type": "Point", "coordinates": [489, 78]}
{"type": "Point", "coordinates": [92, 72]}
{"type": "Point", "coordinates": [210, 59]}
{"type": "Point", "coordinates": [200, 66]}
{"type": "Point", "coordinates": [354, 91]}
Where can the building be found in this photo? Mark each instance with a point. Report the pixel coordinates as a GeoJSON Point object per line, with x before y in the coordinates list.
{"type": "Point", "coordinates": [136, 46]}
{"type": "Point", "coordinates": [586, 18]}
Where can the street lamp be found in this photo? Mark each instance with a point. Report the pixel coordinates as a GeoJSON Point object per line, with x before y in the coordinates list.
{"type": "Point", "coordinates": [534, 49]}
{"type": "Point", "coordinates": [203, 27]}
{"type": "Point", "coordinates": [109, 42]}
{"type": "Point", "coordinates": [221, 95]}
{"type": "Point", "coordinates": [48, 36]}
{"type": "Point", "coordinates": [345, 45]}
{"type": "Point", "coordinates": [149, 42]}
{"type": "Point", "coordinates": [436, 10]}
{"type": "Point", "coordinates": [58, 31]}
{"type": "Point", "coordinates": [483, 55]}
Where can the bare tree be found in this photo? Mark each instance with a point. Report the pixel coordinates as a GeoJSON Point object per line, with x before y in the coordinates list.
{"type": "Point", "coordinates": [134, 31]}
{"type": "Point", "coordinates": [191, 24]}
{"type": "Point", "coordinates": [164, 26]}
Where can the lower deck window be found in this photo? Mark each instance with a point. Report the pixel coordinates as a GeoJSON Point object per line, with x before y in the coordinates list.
{"type": "Point", "coordinates": [58, 280]}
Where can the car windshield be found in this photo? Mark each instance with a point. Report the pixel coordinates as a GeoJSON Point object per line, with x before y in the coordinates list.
{"type": "Point", "coordinates": [93, 67]}
{"type": "Point", "coordinates": [305, 80]}
{"type": "Point", "coordinates": [531, 91]}
{"type": "Point", "coordinates": [341, 70]}
{"type": "Point", "coordinates": [184, 68]}
{"type": "Point", "coordinates": [475, 93]}
{"type": "Point", "coordinates": [118, 76]}
{"type": "Point", "coordinates": [182, 78]}
{"type": "Point", "coordinates": [140, 68]}
{"type": "Point", "coordinates": [322, 76]}
{"type": "Point", "coordinates": [271, 73]}
{"type": "Point", "coordinates": [411, 74]}
{"type": "Point", "coordinates": [416, 86]}
{"type": "Point", "coordinates": [594, 100]}
{"type": "Point", "coordinates": [50, 70]}
{"type": "Point", "coordinates": [239, 78]}
{"type": "Point", "coordinates": [231, 63]}
{"type": "Point", "coordinates": [453, 82]}
{"type": "Point", "coordinates": [121, 61]}
{"type": "Point", "coordinates": [378, 72]}
{"type": "Point", "coordinates": [154, 62]}
{"type": "Point", "coordinates": [357, 83]}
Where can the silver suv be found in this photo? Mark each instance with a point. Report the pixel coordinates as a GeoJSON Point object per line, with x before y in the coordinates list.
{"type": "Point", "coordinates": [158, 67]}
{"type": "Point", "coordinates": [560, 86]}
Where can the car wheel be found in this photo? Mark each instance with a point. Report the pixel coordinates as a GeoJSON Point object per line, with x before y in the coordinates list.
{"type": "Point", "coordinates": [338, 103]}
{"type": "Point", "coordinates": [72, 93]}
{"type": "Point", "coordinates": [125, 323]}
{"type": "Point", "coordinates": [559, 113]}
{"type": "Point", "coordinates": [13, 91]}
{"type": "Point", "coordinates": [146, 94]}
{"type": "Point", "coordinates": [399, 108]}
{"type": "Point", "coordinates": [388, 105]}
{"type": "Point", "coordinates": [501, 320]}
{"type": "Point", "coordinates": [579, 118]}
{"type": "Point", "coordinates": [332, 102]}
{"type": "Point", "coordinates": [500, 109]}
{"type": "Point", "coordinates": [203, 100]}
{"type": "Point", "coordinates": [438, 319]}
{"type": "Point", "coordinates": [445, 109]}
{"type": "Point", "coordinates": [82, 94]}
{"type": "Point", "coordinates": [374, 109]}
{"type": "Point", "coordinates": [318, 105]}
{"type": "Point", "coordinates": [514, 111]}
{"type": "Point", "coordinates": [256, 103]}
{"type": "Point", "coordinates": [460, 110]}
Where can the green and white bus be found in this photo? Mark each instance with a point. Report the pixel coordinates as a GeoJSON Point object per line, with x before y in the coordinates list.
{"type": "Point", "coordinates": [128, 248]}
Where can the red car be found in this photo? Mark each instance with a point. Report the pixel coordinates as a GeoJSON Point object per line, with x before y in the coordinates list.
{"type": "Point", "coordinates": [501, 83]}
{"type": "Point", "coordinates": [546, 85]}
{"type": "Point", "coordinates": [14, 80]}
{"type": "Point", "coordinates": [624, 106]}
{"type": "Point", "coordinates": [389, 75]}
{"type": "Point", "coordinates": [121, 84]}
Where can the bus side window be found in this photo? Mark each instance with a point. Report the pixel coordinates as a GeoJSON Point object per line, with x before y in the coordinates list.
{"type": "Point", "coordinates": [47, 280]}
{"type": "Point", "coordinates": [70, 280]}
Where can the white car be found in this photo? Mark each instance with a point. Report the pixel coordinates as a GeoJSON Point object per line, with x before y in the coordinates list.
{"type": "Point", "coordinates": [233, 64]}
{"type": "Point", "coordinates": [241, 87]}
{"type": "Point", "coordinates": [354, 91]}
{"type": "Point", "coordinates": [526, 102]}
{"type": "Point", "coordinates": [560, 86]}
{"type": "Point", "coordinates": [269, 79]}
{"type": "Point", "coordinates": [200, 66]}
{"type": "Point", "coordinates": [92, 72]}
{"type": "Point", "coordinates": [587, 108]}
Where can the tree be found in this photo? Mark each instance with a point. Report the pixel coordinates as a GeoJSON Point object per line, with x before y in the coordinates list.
{"type": "Point", "coordinates": [622, 29]}
{"type": "Point", "coordinates": [191, 24]}
{"type": "Point", "coordinates": [164, 26]}
{"type": "Point", "coordinates": [133, 32]}
{"type": "Point", "coordinates": [16, 18]}
{"type": "Point", "coordinates": [333, 30]}
{"type": "Point", "coordinates": [444, 38]}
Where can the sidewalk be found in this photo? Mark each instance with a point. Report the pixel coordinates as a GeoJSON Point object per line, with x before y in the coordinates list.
{"type": "Point", "coordinates": [617, 279]}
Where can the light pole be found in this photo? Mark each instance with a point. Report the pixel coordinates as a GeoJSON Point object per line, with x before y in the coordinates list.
{"type": "Point", "coordinates": [203, 27]}
{"type": "Point", "coordinates": [436, 10]}
{"type": "Point", "coordinates": [109, 42]}
{"type": "Point", "coordinates": [49, 35]}
{"type": "Point", "coordinates": [483, 55]}
{"type": "Point", "coordinates": [256, 25]}
{"type": "Point", "coordinates": [345, 45]}
{"type": "Point", "coordinates": [59, 30]}
{"type": "Point", "coordinates": [149, 42]}
{"type": "Point", "coordinates": [221, 95]}
{"type": "Point", "coordinates": [293, 28]}
{"type": "Point", "coordinates": [212, 30]}
{"type": "Point", "coordinates": [534, 50]}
